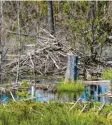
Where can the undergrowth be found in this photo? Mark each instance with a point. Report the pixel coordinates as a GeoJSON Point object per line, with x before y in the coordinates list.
{"type": "Point", "coordinates": [53, 113]}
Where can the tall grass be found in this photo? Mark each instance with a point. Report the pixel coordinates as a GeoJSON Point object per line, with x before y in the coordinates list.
{"type": "Point", "coordinates": [70, 87]}
{"type": "Point", "coordinates": [70, 90]}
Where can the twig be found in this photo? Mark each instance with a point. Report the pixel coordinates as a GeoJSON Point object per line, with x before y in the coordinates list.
{"type": "Point", "coordinates": [83, 109]}
{"type": "Point", "coordinates": [12, 96]}
{"type": "Point", "coordinates": [101, 107]}
{"type": "Point", "coordinates": [75, 104]}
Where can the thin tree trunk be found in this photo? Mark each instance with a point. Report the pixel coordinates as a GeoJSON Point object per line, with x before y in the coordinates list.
{"type": "Point", "coordinates": [110, 8]}
{"type": "Point", "coordinates": [1, 27]}
{"type": "Point", "coordinates": [19, 41]}
{"type": "Point", "coordinates": [34, 70]}
{"type": "Point", "coordinates": [92, 18]}
{"type": "Point", "coordinates": [37, 35]}
{"type": "Point", "coordinates": [50, 17]}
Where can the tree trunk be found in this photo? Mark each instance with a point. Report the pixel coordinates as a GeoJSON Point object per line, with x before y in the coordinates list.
{"type": "Point", "coordinates": [1, 29]}
{"type": "Point", "coordinates": [110, 8]}
{"type": "Point", "coordinates": [19, 41]}
{"type": "Point", "coordinates": [71, 72]}
{"type": "Point", "coordinates": [50, 17]}
{"type": "Point", "coordinates": [92, 19]}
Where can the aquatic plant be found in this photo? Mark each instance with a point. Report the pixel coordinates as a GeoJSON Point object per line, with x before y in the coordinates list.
{"type": "Point", "coordinates": [77, 86]}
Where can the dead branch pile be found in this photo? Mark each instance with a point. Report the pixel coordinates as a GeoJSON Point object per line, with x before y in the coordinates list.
{"type": "Point", "coordinates": [47, 56]}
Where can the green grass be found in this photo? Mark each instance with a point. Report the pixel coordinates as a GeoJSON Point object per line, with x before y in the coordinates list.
{"type": "Point", "coordinates": [70, 87]}
{"type": "Point", "coordinates": [53, 113]}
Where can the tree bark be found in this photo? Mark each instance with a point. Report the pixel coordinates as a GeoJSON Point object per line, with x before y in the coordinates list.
{"type": "Point", "coordinates": [110, 8]}
{"type": "Point", "coordinates": [50, 17]}
{"type": "Point", "coordinates": [1, 29]}
{"type": "Point", "coordinates": [19, 41]}
{"type": "Point", "coordinates": [92, 19]}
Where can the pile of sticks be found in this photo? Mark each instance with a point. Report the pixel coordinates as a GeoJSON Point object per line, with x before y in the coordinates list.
{"type": "Point", "coordinates": [47, 56]}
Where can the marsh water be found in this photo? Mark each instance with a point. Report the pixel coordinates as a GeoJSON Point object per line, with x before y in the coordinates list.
{"type": "Point", "coordinates": [43, 95]}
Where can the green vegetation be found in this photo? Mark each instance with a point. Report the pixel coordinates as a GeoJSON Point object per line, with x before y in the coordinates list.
{"type": "Point", "coordinates": [71, 90]}
{"type": "Point", "coordinates": [70, 87]}
{"type": "Point", "coordinates": [32, 113]}
{"type": "Point", "coordinates": [107, 74]}
{"type": "Point", "coordinates": [22, 90]}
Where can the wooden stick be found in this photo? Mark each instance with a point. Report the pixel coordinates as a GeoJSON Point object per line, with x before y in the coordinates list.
{"type": "Point", "coordinates": [75, 104]}
{"type": "Point", "coordinates": [12, 96]}
{"type": "Point", "coordinates": [101, 107]}
{"type": "Point", "coordinates": [83, 109]}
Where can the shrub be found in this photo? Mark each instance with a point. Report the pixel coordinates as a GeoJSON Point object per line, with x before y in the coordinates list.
{"type": "Point", "coordinates": [22, 90]}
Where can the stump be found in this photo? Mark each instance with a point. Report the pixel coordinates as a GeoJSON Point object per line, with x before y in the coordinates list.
{"type": "Point", "coordinates": [71, 72]}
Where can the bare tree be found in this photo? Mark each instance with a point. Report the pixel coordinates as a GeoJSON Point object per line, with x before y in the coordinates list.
{"type": "Point", "coordinates": [19, 41]}
{"type": "Point", "coordinates": [50, 17]}
{"type": "Point", "coordinates": [1, 27]}
{"type": "Point", "coordinates": [92, 18]}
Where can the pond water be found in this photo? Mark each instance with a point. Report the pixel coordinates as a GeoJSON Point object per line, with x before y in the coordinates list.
{"type": "Point", "coordinates": [44, 95]}
{"type": "Point", "coordinates": [40, 95]}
